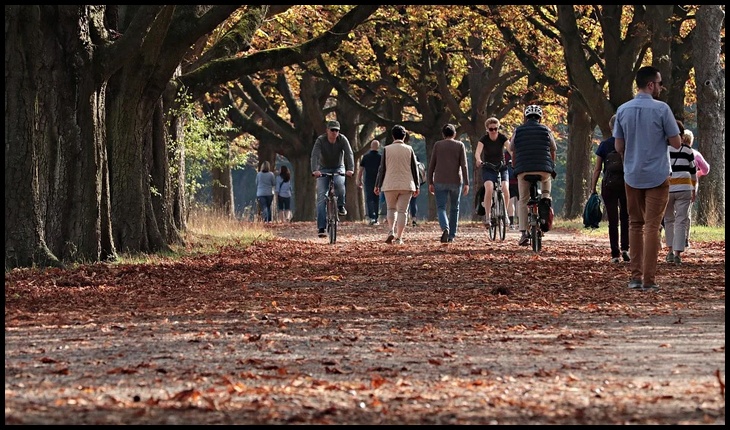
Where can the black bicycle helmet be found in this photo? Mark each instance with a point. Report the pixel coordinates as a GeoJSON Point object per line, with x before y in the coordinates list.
{"type": "Point", "coordinates": [533, 110]}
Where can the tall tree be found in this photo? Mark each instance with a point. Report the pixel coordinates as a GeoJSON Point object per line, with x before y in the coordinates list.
{"type": "Point", "coordinates": [84, 81]}
{"type": "Point", "coordinates": [710, 77]}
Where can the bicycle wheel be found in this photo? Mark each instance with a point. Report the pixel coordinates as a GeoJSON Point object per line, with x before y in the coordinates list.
{"type": "Point", "coordinates": [500, 216]}
{"type": "Point", "coordinates": [535, 231]}
{"type": "Point", "coordinates": [493, 224]}
{"type": "Point", "coordinates": [332, 219]}
{"type": "Point", "coordinates": [333, 231]}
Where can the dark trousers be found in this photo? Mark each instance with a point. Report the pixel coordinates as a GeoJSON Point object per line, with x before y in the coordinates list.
{"type": "Point", "coordinates": [617, 213]}
{"type": "Point", "coordinates": [372, 202]}
{"type": "Point", "coordinates": [413, 208]}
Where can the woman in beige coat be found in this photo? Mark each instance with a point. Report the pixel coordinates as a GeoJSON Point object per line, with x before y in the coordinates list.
{"type": "Point", "coordinates": [398, 179]}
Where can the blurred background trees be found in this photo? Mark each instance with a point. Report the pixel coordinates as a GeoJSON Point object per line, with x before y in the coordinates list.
{"type": "Point", "coordinates": [99, 152]}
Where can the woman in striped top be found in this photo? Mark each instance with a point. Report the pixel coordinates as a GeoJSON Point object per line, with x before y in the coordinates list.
{"type": "Point", "coordinates": [682, 191]}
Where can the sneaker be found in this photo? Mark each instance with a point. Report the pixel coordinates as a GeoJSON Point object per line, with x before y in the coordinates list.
{"type": "Point", "coordinates": [321, 233]}
{"type": "Point", "coordinates": [451, 239]}
{"type": "Point", "coordinates": [524, 240]}
{"type": "Point", "coordinates": [342, 211]}
{"type": "Point", "coordinates": [615, 260]}
{"type": "Point", "coordinates": [677, 260]}
{"type": "Point", "coordinates": [670, 257]}
{"type": "Point", "coordinates": [635, 284]}
{"type": "Point", "coordinates": [512, 227]}
{"type": "Point", "coordinates": [414, 223]}
{"type": "Point", "coordinates": [445, 236]}
{"type": "Point", "coordinates": [399, 241]}
{"type": "Point", "coordinates": [687, 244]}
{"type": "Point", "coordinates": [390, 238]}
{"type": "Point", "coordinates": [487, 223]}
{"type": "Point", "coordinates": [650, 287]}
{"type": "Point", "coordinates": [625, 256]}
{"type": "Point", "coordinates": [373, 222]}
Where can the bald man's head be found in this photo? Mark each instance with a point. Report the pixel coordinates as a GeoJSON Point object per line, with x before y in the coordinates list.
{"type": "Point", "coordinates": [375, 145]}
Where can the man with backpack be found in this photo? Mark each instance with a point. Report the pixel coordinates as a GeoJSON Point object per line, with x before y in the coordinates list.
{"type": "Point", "coordinates": [613, 194]}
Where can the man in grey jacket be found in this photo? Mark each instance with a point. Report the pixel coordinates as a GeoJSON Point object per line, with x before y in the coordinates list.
{"type": "Point", "coordinates": [331, 153]}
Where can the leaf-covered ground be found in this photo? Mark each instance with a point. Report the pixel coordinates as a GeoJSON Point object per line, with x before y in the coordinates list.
{"type": "Point", "coordinates": [297, 331]}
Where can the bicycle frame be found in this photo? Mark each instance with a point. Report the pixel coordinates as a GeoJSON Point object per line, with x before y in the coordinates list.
{"type": "Point", "coordinates": [498, 211]}
{"type": "Point", "coordinates": [533, 214]}
{"type": "Point", "coordinates": [333, 216]}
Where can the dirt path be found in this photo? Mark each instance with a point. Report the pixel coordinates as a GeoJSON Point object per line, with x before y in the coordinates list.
{"type": "Point", "coordinates": [360, 332]}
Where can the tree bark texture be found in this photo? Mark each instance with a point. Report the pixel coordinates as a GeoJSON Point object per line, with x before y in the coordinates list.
{"type": "Point", "coordinates": [578, 162]}
{"type": "Point", "coordinates": [710, 78]}
{"type": "Point", "coordinates": [55, 158]}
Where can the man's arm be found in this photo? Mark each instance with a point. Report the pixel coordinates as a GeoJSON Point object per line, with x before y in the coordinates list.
{"type": "Point", "coordinates": [511, 146]}
{"type": "Point", "coordinates": [464, 169]}
{"type": "Point", "coordinates": [316, 154]}
{"type": "Point", "coordinates": [620, 145]}
{"type": "Point", "coordinates": [349, 157]}
{"type": "Point", "coordinates": [596, 173]}
{"type": "Point", "coordinates": [675, 141]}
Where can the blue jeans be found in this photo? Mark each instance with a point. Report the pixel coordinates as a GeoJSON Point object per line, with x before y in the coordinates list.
{"type": "Point", "coordinates": [452, 193]}
{"type": "Point", "coordinates": [323, 184]}
{"type": "Point", "coordinates": [265, 204]}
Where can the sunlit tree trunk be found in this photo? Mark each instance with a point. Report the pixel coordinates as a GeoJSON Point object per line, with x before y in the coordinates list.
{"type": "Point", "coordinates": [710, 77]}
{"type": "Point", "coordinates": [578, 162]}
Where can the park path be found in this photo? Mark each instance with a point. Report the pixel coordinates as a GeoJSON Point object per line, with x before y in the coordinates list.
{"type": "Point", "coordinates": [297, 331]}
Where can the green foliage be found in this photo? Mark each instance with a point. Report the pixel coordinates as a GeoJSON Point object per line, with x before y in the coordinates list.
{"type": "Point", "coordinates": [204, 144]}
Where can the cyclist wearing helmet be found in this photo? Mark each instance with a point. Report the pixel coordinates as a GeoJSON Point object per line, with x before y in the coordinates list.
{"type": "Point", "coordinates": [533, 151]}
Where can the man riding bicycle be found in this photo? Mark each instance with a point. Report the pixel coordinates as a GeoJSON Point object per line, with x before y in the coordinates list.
{"type": "Point", "coordinates": [533, 151]}
{"type": "Point", "coordinates": [490, 149]}
{"type": "Point", "coordinates": [331, 153]}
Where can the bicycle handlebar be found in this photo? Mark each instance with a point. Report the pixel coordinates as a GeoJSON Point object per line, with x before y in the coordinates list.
{"type": "Point", "coordinates": [331, 175]}
{"type": "Point", "coordinates": [499, 168]}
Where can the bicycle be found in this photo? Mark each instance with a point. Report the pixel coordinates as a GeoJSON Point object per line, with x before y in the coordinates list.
{"type": "Point", "coordinates": [534, 221]}
{"type": "Point", "coordinates": [333, 215]}
{"type": "Point", "coordinates": [498, 211]}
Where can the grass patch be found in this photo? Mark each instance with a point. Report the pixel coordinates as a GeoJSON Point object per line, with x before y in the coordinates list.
{"type": "Point", "coordinates": [699, 233]}
{"type": "Point", "coordinates": [207, 232]}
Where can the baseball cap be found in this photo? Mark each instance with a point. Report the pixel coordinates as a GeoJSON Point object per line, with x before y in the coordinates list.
{"type": "Point", "coordinates": [333, 125]}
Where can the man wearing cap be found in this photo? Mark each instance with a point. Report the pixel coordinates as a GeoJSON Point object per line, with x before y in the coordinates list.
{"type": "Point", "coordinates": [332, 153]}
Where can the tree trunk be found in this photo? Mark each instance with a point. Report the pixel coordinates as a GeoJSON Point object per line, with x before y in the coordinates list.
{"type": "Point", "coordinates": [55, 160]}
{"type": "Point", "coordinates": [304, 192]}
{"type": "Point", "coordinates": [162, 192]}
{"type": "Point", "coordinates": [176, 155]}
{"type": "Point", "coordinates": [130, 182]}
{"type": "Point", "coordinates": [579, 158]}
{"type": "Point", "coordinates": [223, 191]}
{"type": "Point", "coordinates": [710, 78]}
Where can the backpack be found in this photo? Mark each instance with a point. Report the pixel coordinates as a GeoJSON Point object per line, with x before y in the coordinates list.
{"type": "Point", "coordinates": [592, 213]}
{"type": "Point", "coordinates": [613, 170]}
{"type": "Point", "coordinates": [421, 172]}
{"type": "Point", "coordinates": [545, 208]}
